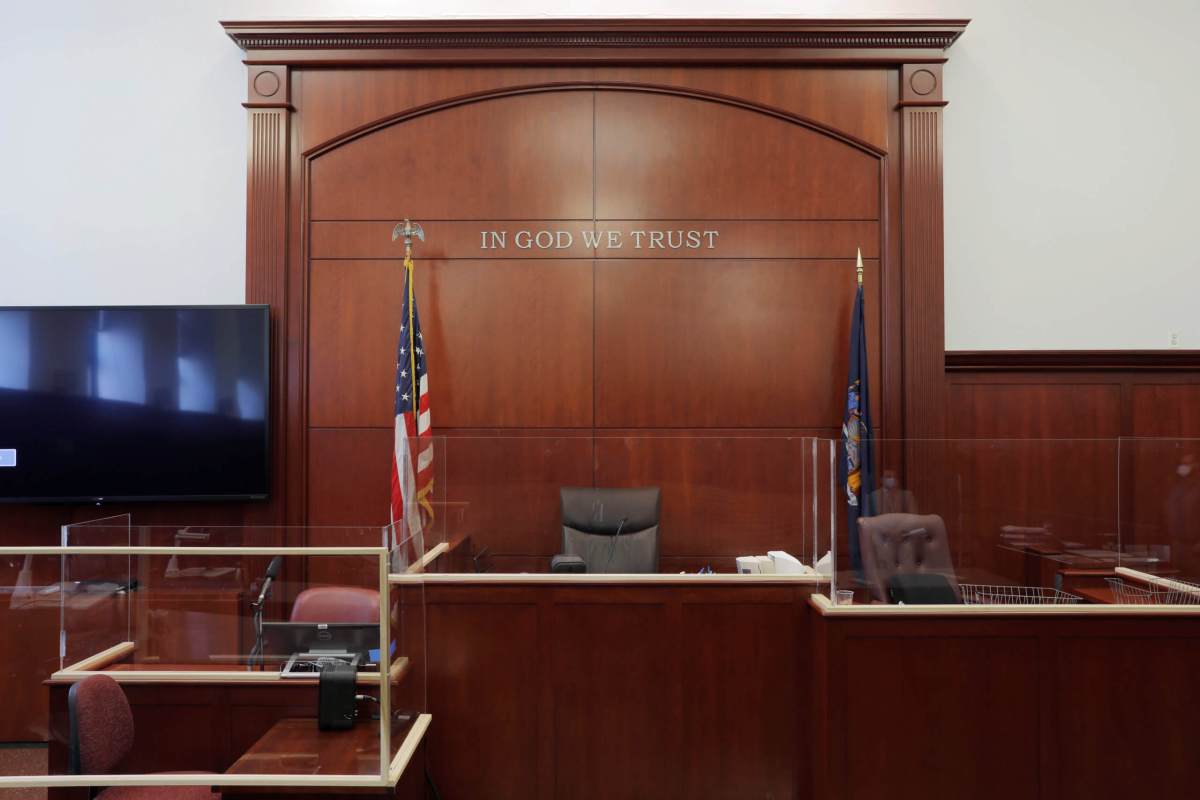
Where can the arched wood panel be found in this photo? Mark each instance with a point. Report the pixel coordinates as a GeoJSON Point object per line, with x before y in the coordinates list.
{"type": "Point", "coordinates": [537, 355]}
{"type": "Point", "coordinates": [526, 156]}
{"type": "Point", "coordinates": [661, 156]}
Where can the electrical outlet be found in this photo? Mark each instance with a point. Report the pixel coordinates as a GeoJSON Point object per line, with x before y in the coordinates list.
{"type": "Point", "coordinates": [1173, 339]}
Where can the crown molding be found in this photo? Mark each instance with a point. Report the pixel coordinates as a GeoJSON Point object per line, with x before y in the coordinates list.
{"type": "Point", "coordinates": [1072, 360]}
{"type": "Point", "coordinates": [498, 41]}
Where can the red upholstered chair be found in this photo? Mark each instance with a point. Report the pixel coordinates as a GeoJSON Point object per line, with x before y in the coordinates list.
{"type": "Point", "coordinates": [336, 604]}
{"type": "Point", "coordinates": [102, 735]}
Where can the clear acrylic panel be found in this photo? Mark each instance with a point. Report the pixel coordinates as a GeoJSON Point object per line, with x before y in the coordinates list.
{"type": "Point", "coordinates": [193, 608]}
{"type": "Point", "coordinates": [721, 497]}
{"type": "Point", "coordinates": [979, 521]}
{"type": "Point", "coordinates": [97, 611]}
{"type": "Point", "coordinates": [1160, 521]}
{"type": "Point", "coordinates": [32, 593]}
{"type": "Point", "coordinates": [407, 669]}
{"type": "Point", "coordinates": [239, 615]}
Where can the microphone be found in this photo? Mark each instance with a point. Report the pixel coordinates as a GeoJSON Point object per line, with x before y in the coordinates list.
{"type": "Point", "coordinates": [269, 577]}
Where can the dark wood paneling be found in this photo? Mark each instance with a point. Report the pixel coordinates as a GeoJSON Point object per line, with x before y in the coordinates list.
{"type": "Point", "coordinates": [1035, 410]}
{"type": "Point", "coordinates": [1161, 473]}
{"type": "Point", "coordinates": [810, 93]}
{"type": "Point", "coordinates": [743, 700]}
{"type": "Point", "coordinates": [1072, 360]}
{"type": "Point", "coordinates": [164, 717]}
{"type": "Point", "coordinates": [616, 734]}
{"type": "Point", "coordinates": [998, 707]}
{"type": "Point", "coordinates": [1020, 441]}
{"type": "Point", "coordinates": [1147, 398]}
{"type": "Point", "coordinates": [676, 152]}
{"type": "Point", "coordinates": [1125, 715]}
{"type": "Point", "coordinates": [503, 488]}
{"type": "Point", "coordinates": [618, 691]}
{"type": "Point", "coordinates": [366, 96]}
{"type": "Point", "coordinates": [694, 344]}
{"type": "Point", "coordinates": [485, 323]}
{"type": "Point", "coordinates": [28, 646]}
{"type": "Point", "coordinates": [215, 723]}
{"type": "Point", "coordinates": [722, 495]}
{"type": "Point", "coordinates": [504, 156]}
{"type": "Point", "coordinates": [510, 487]}
{"type": "Point", "coordinates": [483, 689]}
{"type": "Point", "coordinates": [1166, 410]}
{"type": "Point", "coordinates": [348, 476]}
{"type": "Point", "coordinates": [900, 708]}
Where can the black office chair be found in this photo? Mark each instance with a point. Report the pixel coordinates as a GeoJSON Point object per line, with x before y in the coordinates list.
{"type": "Point", "coordinates": [609, 530]}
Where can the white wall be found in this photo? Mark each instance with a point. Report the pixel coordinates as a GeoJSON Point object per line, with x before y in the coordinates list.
{"type": "Point", "coordinates": [1070, 182]}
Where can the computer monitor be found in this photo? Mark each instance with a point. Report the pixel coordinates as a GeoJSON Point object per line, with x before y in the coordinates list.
{"type": "Point", "coordinates": [285, 639]}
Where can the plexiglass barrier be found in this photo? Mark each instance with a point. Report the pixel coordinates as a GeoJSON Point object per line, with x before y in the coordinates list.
{"type": "Point", "coordinates": [1022, 522]}
{"type": "Point", "coordinates": [221, 633]}
{"type": "Point", "coordinates": [712, 500]}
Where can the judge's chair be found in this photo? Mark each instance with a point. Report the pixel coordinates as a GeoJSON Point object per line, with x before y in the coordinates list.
{"type": "Point", "coordinates": [102, 736]}
{"type": "Point", "coordinates": [906, 557]}
{"type": "Point", "coordinates": [609, 530]}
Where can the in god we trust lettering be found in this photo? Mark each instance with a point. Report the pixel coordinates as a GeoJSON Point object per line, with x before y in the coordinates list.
{"type": "Point", "coordinates": [612, 240]}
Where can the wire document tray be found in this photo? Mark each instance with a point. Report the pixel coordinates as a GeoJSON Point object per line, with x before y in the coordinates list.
{"type": "Point", "coordinates": [1134, 594]}
{"type": "Point", "coordinates": [976, 594]}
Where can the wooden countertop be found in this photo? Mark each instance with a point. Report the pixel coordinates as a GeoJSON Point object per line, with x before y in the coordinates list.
{"type": "Point", "coordinates": [585, 579]}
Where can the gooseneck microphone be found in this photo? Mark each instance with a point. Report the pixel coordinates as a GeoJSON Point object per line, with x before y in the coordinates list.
{"type": "Point", "coordinates": [256, 653]}
{"type": "Point", "coordinates": [268, 578]}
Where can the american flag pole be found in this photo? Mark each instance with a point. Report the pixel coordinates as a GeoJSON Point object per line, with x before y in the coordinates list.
{"type": "Point", "coordinates": [411, 484]}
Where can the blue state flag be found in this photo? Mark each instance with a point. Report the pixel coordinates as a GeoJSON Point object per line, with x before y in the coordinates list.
{"type": "Point", "coordinates": [856, 467]}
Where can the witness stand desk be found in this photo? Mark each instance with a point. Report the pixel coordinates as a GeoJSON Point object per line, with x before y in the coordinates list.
{"type": "Point", "coordinates": [1074, 702]}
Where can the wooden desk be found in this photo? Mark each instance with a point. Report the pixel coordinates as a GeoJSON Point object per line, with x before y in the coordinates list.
{"type": "Point", "coordinates": [296, 746]}
{"type": "Point", "coordinates": [187, 722]}
{"type": "Point", "coordinates": [1095, 594]}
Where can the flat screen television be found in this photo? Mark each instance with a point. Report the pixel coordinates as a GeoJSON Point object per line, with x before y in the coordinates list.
{"type": "Point", "coordinates": [133, 403]}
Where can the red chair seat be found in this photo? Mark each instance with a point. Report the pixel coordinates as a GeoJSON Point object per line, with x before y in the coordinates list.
{"type": "Point", "coordinates": [158, 793]}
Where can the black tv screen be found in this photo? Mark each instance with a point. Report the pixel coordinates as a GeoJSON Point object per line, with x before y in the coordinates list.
{"type": "Point", "coordinates": [133, 403]}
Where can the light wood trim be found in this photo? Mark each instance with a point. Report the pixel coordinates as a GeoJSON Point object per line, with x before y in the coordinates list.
{"type": "Point", "coordinates": [185, 550]}
{"type": "Point", "coordinates": [193, 677]}
{"type": "Point", "coordinates": [623, 578]}
{"type": "Point", "coordinates": [385, 655]}
{"type": "Point", "coordinates": [434, 554]}
{"type": "Point", "coordinates": [194, 779]}
{"type": "Point", "coordinates": [408, 747]}
{"type": "Point", "coordinates": [826, 608]}
{"type": "Point", "coordinates": [102, 659]}
{"type": "Point", "coordinates": [1158, 580]}
{"type": "Point", "coordinates": [399, 669]}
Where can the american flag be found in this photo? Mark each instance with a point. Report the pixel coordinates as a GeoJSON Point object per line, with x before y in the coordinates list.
{"type": "Point", "coordinates": [412, 484]}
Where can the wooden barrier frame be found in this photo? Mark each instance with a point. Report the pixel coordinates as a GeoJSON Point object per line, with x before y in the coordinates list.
{"type": "Point", "coordinates": [390, 770]}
